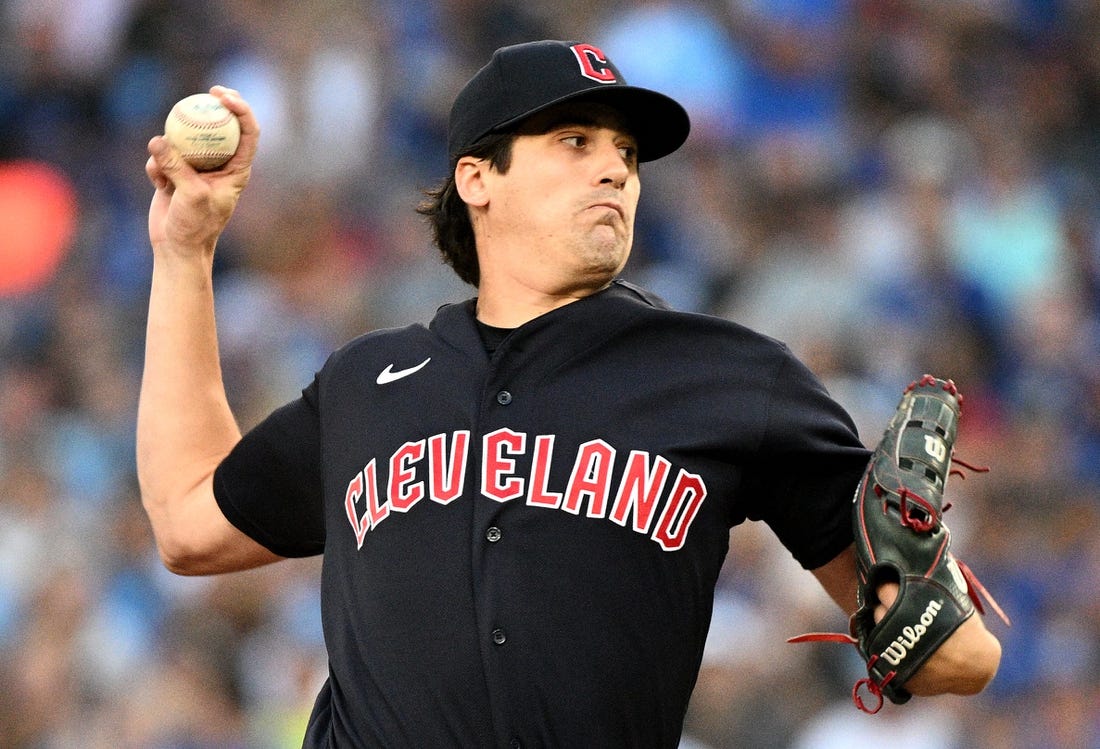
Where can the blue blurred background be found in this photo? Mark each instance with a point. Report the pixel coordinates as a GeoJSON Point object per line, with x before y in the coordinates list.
{"type": "Point", "coordinates": [890, 186]}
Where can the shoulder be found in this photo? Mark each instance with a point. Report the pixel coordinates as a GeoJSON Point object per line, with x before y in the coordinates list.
{"type": "Point", "coordinates": [453, 326]}
{"type": "Point", "coordinates": [377, 343]}
{"type": "Point", "coordinates": [450, 339]}
{"type": "Point", "coordinates": [660, 321]}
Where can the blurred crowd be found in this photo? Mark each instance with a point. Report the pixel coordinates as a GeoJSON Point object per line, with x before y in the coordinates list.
{"type": "Point", "coordinates": [892, 187]}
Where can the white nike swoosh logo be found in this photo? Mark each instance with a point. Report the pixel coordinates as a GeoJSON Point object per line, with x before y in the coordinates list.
{"type": "Point", "coordinates": [387, 375]}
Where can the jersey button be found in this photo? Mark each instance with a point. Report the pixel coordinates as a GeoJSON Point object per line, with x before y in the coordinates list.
{"type": "Point", "coordinates": [499, 637]}
{"type": "Point", "coordinates": [515, 744]}
{"type": "Point", "coordinates": [504, 397]}
{"type": "Point", "coordinates": [493, 534]}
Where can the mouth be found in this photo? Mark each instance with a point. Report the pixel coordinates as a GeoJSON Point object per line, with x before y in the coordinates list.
{"type": "Point", "coordinates": [610, 205]}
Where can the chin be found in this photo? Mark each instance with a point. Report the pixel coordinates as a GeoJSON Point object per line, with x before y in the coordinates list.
{"type": "Point", "coordinates": [609, 264]}
{"type": "Point", "coordinates": [610, 251]}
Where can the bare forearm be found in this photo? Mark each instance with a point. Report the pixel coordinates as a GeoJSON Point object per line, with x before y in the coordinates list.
{"type": "Point", "coordinates": [838, 578]}
{"type": "Point", "coordinates": [184, 425]}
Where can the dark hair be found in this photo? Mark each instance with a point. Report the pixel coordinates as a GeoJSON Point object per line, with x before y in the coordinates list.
{"type": "Point", "coordinates": [449, 216]}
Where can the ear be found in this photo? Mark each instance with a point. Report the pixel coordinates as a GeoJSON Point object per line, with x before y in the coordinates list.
{"type": "Point", "coordinates": [470, 181]}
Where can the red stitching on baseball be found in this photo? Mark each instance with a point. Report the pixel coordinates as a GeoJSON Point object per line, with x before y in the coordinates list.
{"type": "Point", "coordinates": [200, 124]}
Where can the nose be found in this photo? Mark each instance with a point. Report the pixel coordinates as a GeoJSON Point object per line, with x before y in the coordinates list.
{"type": "Point", "coordinates": [614, 168]}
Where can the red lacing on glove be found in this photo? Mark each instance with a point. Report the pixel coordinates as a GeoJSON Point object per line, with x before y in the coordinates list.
{"type": "Point", "coordinates": [977, 592]}
{"type": "Point", "coordinates": [874, 687]}
{"type": "Point", "coordinates": [921, 522]}
{"type": "Point", "coordinates": [929, 519]}
{"type": "Point", "coordinates": [955, 460]}
{"type": "Point", "coordinates": [868, 682]}
{"type": "Point", "coordinates": [948, 386]}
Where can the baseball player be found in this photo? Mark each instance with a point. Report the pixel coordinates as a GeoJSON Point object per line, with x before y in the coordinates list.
{"type": "Point", "coordinates": [523, 507]}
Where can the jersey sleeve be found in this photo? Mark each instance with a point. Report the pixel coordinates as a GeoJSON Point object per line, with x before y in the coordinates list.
{"type": "Point", "coordinates": [270, 485]}
{"type": "Point", "coordinates": [809, 463]}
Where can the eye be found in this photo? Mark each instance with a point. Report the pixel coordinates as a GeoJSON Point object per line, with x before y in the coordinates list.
{"type": "Point", "coordinates": [629, 153]}
{"type": "Point", "coordinates": [577, 141]}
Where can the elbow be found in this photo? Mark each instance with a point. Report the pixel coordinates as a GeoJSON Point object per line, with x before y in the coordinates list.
{"type": "Point", "coordinates": [177, 553]}
{"type": "Point", "coordinates": [183, 526]}
{"type": "Point", "coordinates": [182, 551]}
{"type": "Point", "coordinates": [179, 560]}
{"type": "Point", "coordinates": [984, 662]}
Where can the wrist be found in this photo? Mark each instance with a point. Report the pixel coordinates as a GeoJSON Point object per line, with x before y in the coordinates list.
{"type": "Point", "coordinates": [174, 254]}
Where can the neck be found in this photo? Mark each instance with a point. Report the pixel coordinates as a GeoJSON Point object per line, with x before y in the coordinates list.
{"type": "Point", "coordinates": [512, 306]}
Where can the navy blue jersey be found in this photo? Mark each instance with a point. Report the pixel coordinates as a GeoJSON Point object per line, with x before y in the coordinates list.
{"type": "Point", "coordinates": [521, 549]}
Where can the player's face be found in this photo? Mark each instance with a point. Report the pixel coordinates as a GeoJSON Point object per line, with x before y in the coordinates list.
{"type": "Point", "coordinates": [564, 210]}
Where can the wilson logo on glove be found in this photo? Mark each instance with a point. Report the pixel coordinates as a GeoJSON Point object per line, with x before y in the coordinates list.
{"type": "Point", "coordinates": [935, 447]}
{"type": "Point", "coordinates": [897, 650]}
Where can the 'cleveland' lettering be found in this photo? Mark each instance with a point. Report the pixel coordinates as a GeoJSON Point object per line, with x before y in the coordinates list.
{"type": "Point", "coordinates": [643, 499]}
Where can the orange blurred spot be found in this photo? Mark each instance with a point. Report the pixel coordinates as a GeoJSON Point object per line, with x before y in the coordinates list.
{"type": "Point", "coordinates": [37, 221]}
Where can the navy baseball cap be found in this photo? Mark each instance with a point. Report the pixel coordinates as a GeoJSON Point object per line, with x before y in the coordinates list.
{"type": "Point", "coordinates": [523, 79]}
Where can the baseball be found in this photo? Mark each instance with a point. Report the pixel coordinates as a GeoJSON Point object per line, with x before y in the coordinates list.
{"type": "Point", "coordinates": [204, 132]}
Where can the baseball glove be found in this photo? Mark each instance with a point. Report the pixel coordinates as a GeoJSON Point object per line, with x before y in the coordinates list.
{"type": "Point", "coordinates": [900, 537]}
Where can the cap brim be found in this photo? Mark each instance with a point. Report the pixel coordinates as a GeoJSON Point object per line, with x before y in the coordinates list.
{"type": "Point", "coordinates": [657, 121]}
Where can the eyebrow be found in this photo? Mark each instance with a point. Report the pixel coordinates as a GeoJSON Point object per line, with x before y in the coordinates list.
{"type": "Point", "coordinates": [566, 119]}
{"type": "Point", "coordinates": [576, 117]}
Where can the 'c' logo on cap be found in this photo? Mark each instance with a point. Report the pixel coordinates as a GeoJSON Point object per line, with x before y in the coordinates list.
{"type": "Point", "coordinates": [593, 63]}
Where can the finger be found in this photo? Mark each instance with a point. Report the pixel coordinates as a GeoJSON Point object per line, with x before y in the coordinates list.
{"type": "Point", "coordinates": [156, 176]}
{"type": "Point", "coordinates": [232, 100]}
{"type": "Point", "coordinates": [218, 90]}
{"type": "Point", "coordinates": [154, 171]}
{"type": "Point", "coordinates": [165, 165]}
{"type": "Point", "coordinates": [887, 595]}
